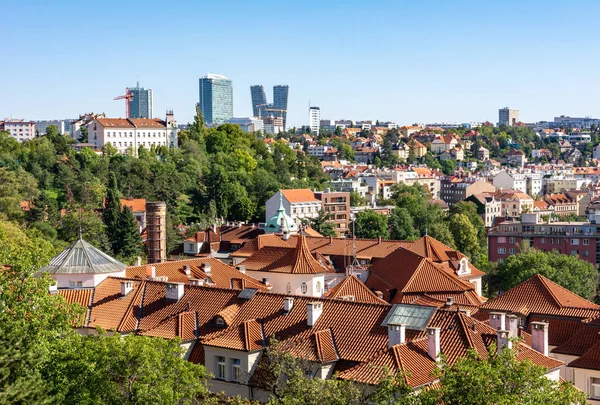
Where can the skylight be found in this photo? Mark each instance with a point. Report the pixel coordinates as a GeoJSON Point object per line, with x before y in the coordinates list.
{"type": "Point", "coordinates": [415, 317]}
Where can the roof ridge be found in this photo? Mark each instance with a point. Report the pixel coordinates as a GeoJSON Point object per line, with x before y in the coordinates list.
{"type": "Point", "coordinates": [90, 307]}
{"type": "Point", "coordinates": [130, 306]}
{"type": "Point", "coordinates": [549, 284]}
{"type": "Point", "coordinates": [466, 331]}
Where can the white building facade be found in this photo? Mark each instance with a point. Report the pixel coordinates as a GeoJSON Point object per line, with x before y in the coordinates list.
{"type": "Point", "coordinates": [314, 119]}
{"type": "Point", "coordinates": [21, 130]}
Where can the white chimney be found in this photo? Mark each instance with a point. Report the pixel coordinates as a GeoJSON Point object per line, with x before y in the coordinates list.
{"type": "Point", "coordinates": [288, 304]}
{"type": "Point", "coordinates": [206, 268]}
{"type": "Point", "coordinates": [497, 320]}
{"type": "Point", "coordinates": [449, 301]}
{"type": "Point", "coordinates": [539, 337]}
{"type": "Point", "coordinates": [194, 282]}
{"type": "Point", "coordinates": [242, 269]}
{"type": "Point", "coordinates": [53, 288]}
{"type": "Point", "coordinates": [512, 325]}
{"type": "Point", "coordinates": [314, 310]}
{"type": "Point", "coordinates": [265, 280]}
{"type": "Point", "coordinates": [138, 261]}
{"type": "Point", "coordinates": [174, 291]}
{"type": "Point", "coordinates": [433, 343]}
{"type": "Point", "coordinates": [503, 339]}
{"type": "Point", "coordinates": [188, 270]}
{"type": "Point", "coordinates": [396, 334]}
{"type": "Point", "coordinates": [126, 287]}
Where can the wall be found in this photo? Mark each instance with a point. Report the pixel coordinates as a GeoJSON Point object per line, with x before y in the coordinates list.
{"type": "Point", "coordinates": [582, 378]}
{"type": "Point", "coordinates": [279, 282]}
{"type": "Point", "coordinates": [248, 361]}
{"type": "Point", "coordinates": [88, 280]}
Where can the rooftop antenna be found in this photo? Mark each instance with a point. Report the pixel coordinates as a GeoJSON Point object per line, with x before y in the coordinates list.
{"type": "Point", "coordinates": [80, 230]}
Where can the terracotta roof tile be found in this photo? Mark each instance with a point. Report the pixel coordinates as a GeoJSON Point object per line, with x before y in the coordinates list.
{"type": "Point", "coordinates": [590, 359]}
{"type": "Point", "coordinates": [112, 311]}
{"type": "Point", "coordinates": [258, 243]}
{"type": "Point", "coordinates": [247, 336]}
{"type": "Point", "coordinates": [135, 204]}
{"type": "Point", "coordinates": [299, 195]}
{"type": "Point", "coordinates": [352, 286]}
{"type": "Point", "coordinates": [542, 296]}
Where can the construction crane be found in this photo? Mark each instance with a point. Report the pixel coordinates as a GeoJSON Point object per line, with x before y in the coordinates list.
{"type": "Point", "coordinates": [128, 97]}
{"type": "Point", "coordinates": [260, 106]}
{"type": "Point", "coordinates": [280, 110]}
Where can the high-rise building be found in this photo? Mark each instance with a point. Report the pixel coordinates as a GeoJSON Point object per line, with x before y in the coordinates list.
{"type": "Point", "coordinates": [280, 101]}
{"type": "Point", "coordinates": [508, 116]}
{"type": "Point", "coordinates": [141, 103]}
{"type": "Point", "coordinates": [314, 119]}
{"type": "Point", "coordinates": [216, 99]}
{"type": "Point", "coordinates": [259, 99]}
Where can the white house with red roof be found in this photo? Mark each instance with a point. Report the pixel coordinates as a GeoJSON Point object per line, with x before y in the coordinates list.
{"type": "Point", "coordinates": [125, 133]}
{"type": "Point", "coordinates": [299, 204]}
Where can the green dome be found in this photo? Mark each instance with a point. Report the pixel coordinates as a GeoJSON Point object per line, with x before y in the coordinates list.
{"type": "Point", "coordinates": [274, 225]}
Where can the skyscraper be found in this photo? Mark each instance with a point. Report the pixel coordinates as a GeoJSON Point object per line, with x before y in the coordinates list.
{"type": "Point", "coordinates": [259, 98]}
{"type": "Point", "coordinates": [141, 103]}
{"type": "Point", "coordinates": [216, 99]}
{"type": "Point", "coordinates": [314, 116]}
{"type": "Point", "coordinates": [508, 116]}
{"type": "Point", "coordinates": [280, 101]}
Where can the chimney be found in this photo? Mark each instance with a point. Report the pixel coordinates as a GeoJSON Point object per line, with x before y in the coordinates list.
{"type": "Point", "coordinates": [188, 270]}
{"type": "Point", "coordinates": [206, 268]}
{"type": "Point", "coordinates": [240, 224]}
{"type": "Point", "coordinates": [265, 280]}
{"type": "Point", "coordinates": [512, 325]}
{"type": "Point", "coordinates": [396, 334]}
{"type": "Point", "coordinates": [314, 309]}
{"type": "Point", "coordinates": [126, 287]}
{"type": "Point", "coordinates": [53, 288]}
{"type": "Point", "coordinates": [242, 269]}
{"type": "Point", "coordinates": [497, 320]}
{"type": "Point", "coordinates": [288, 304]}
{"type": "Point", "coordinates": [503, 339]}
{"type": "Point", "coordinates": [379, 294]}
{"type": "Point", "coordinates": [433, 343]}
{"type": "Point", "coordinates": [174, 291]}
{"type": "Point", "coordinates": [138, 261]}
{"type": "Point", "coordinates": [150, 271]}
{"type": "Point", "coordinates": [194, 282]}
{"type": "Point", "coordinates": [156, 226]}
{"type": "Point", "coordinates": [539, 337]}
{"type": "Point", "coordinates": [378, 239]}
{"type": "Point", "coordinates": [252, 226]}
{"type": "Point", "coordinates": [449, 301]}
{"type": "Point", "coordinates": [330, 240]}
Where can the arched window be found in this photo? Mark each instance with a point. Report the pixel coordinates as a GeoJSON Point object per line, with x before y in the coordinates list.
{"type": "Point", "coordinates": [288, 288]}
{"type": "Point", "coordinates": [304, 288]}
{"type": "Point", "coordinates": [318, 287]}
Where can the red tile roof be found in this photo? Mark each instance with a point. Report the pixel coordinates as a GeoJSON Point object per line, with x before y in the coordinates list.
{"type": "Point", "coordinates": [590, 359]}
{"type": "Point", "coordinates": [351, 286]}
{"type": "Point", "coordinates": [541, 296]}
{"type": "Point", "coordinates": [135, 204]}
{"type": "Point", "coordinates": [221, 275]}
{"type": "Point", "coordinates": [299, 195]}
{"type": "Point", "coordinates": [298, 260]}
{"type": "Point", "coordinates": [258, 243]}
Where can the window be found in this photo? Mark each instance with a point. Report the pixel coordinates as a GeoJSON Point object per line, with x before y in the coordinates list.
{"type": "Point", "coordinates": [542, 241]}
{"type": "Point", "coordinates": [501, 239]}
{"type": "Point", "coordinates": [75, 284]}
{"type": "Point", "coordinates": [304, 288]}
{"type": "Point", "coordinates": [511, 251]}
{"type": "Point", "coordinates": [318, 287]}
{"type": "Point", "coordinates": [586, 253]}
{"type": "Point", "coordinates": [220, 367]}
{"type": "Point", "coordinates": [595, 387]}
{"type": "Point", "coordinates": [574, 252]}
{"type": "Point", "coordinates": [236, 370]}
{"type": "Point", "coordinates": [288, 288]}
{"type": "Point", "coordinates": [586, 242]}
{"type": "Point", "coordinates": [501, 251]}
{"type": "Point", "coordinates": [574, 241]}
{"type": "Point", "coordinates": [511, 240]}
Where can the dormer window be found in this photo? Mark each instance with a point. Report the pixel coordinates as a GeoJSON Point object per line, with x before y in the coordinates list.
{"type": "Point", "coordinates": [219, 321]}
{"type": "Point", "coordinates": [464, 267]}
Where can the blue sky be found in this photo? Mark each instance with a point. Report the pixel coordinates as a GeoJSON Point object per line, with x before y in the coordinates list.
{"type": "Point", "coordinates": [406, 61]}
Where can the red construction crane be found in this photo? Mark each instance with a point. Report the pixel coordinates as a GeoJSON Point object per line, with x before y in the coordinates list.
{"type": "Point", "coordinates": [128, 97]}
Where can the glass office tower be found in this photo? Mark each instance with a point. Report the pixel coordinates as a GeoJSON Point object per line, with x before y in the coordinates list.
{"type": "Point", "coordinates": [259, 99]}
{"type": "Point", "coordinates": [280, 100]}
{"type": "Point", "coordinates": [141, 103]}
{"type": "Point", "coordinates": [216, 99]}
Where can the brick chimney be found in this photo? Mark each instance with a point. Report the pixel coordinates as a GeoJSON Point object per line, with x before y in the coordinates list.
{"type": "Point", "coordinates": [539, 337]}
{"type": "Point", "coordinates": [497, 320]}
{"type": "Point", "coordinates": [396, 334]}
{"type": "Point", "coordinates": [433, 343]}
{"type": "Point", "coordinates": [314, 310]}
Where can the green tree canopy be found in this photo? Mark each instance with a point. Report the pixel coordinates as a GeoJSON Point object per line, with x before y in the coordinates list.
{"type": "Point", "coordinates": [370, 224]}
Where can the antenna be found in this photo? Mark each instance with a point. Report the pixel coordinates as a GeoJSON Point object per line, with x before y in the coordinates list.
{"type": "Point", "coordinates": [80, 230]}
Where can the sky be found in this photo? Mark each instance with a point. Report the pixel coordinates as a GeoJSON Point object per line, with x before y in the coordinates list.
{"type": "Point", "coordinates": [403, 61]}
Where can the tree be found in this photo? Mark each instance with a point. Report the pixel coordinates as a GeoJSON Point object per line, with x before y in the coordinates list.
{"type": "Point", "coordinates": [464, 235]}
{"type": "Point", "coordinates": [571, 272]}
{"type": "Point", "coordinates": [112, 212]}
{"type": "Point", "coordinates": [93, 230]}
{"type": "Point", "coordinates": [499, 379]}
{"type": "Point", "coordinates": [402, 226]}
{"type": "Point", "coordinates": [320, 224]}
{"type": "Point", "coordinates": [129, 239]}
{"type": "Point", "coordinates": [469, 209]}
{"type": "Point", "coordinates": [370, 224]}
{"type": "Point", "coordinates": [123, 370]}
{"type": "Point", "coordinates": [356, 200]}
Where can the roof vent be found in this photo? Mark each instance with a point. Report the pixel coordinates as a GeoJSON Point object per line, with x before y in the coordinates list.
{"type": "Point", "coordinates": [126, 287]}
{"type": "Point", "coordinates": [162, 279]}
{"type": "Point", "coordinates": [347, 298]}
{"type": "Point", "coordinates": [194, 282]}
{"type": "Point", "coordinates": [174, 291]}
{"type": "Point", "coordinates": [206, 268]}
{"type": "Point", "coordinates": [188, 270]}
{"type": "Point", "coordinates": [449, 301]}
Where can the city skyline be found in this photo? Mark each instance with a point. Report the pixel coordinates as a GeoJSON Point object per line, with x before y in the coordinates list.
{"type": "Point", "coordinates": [468, 62]}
